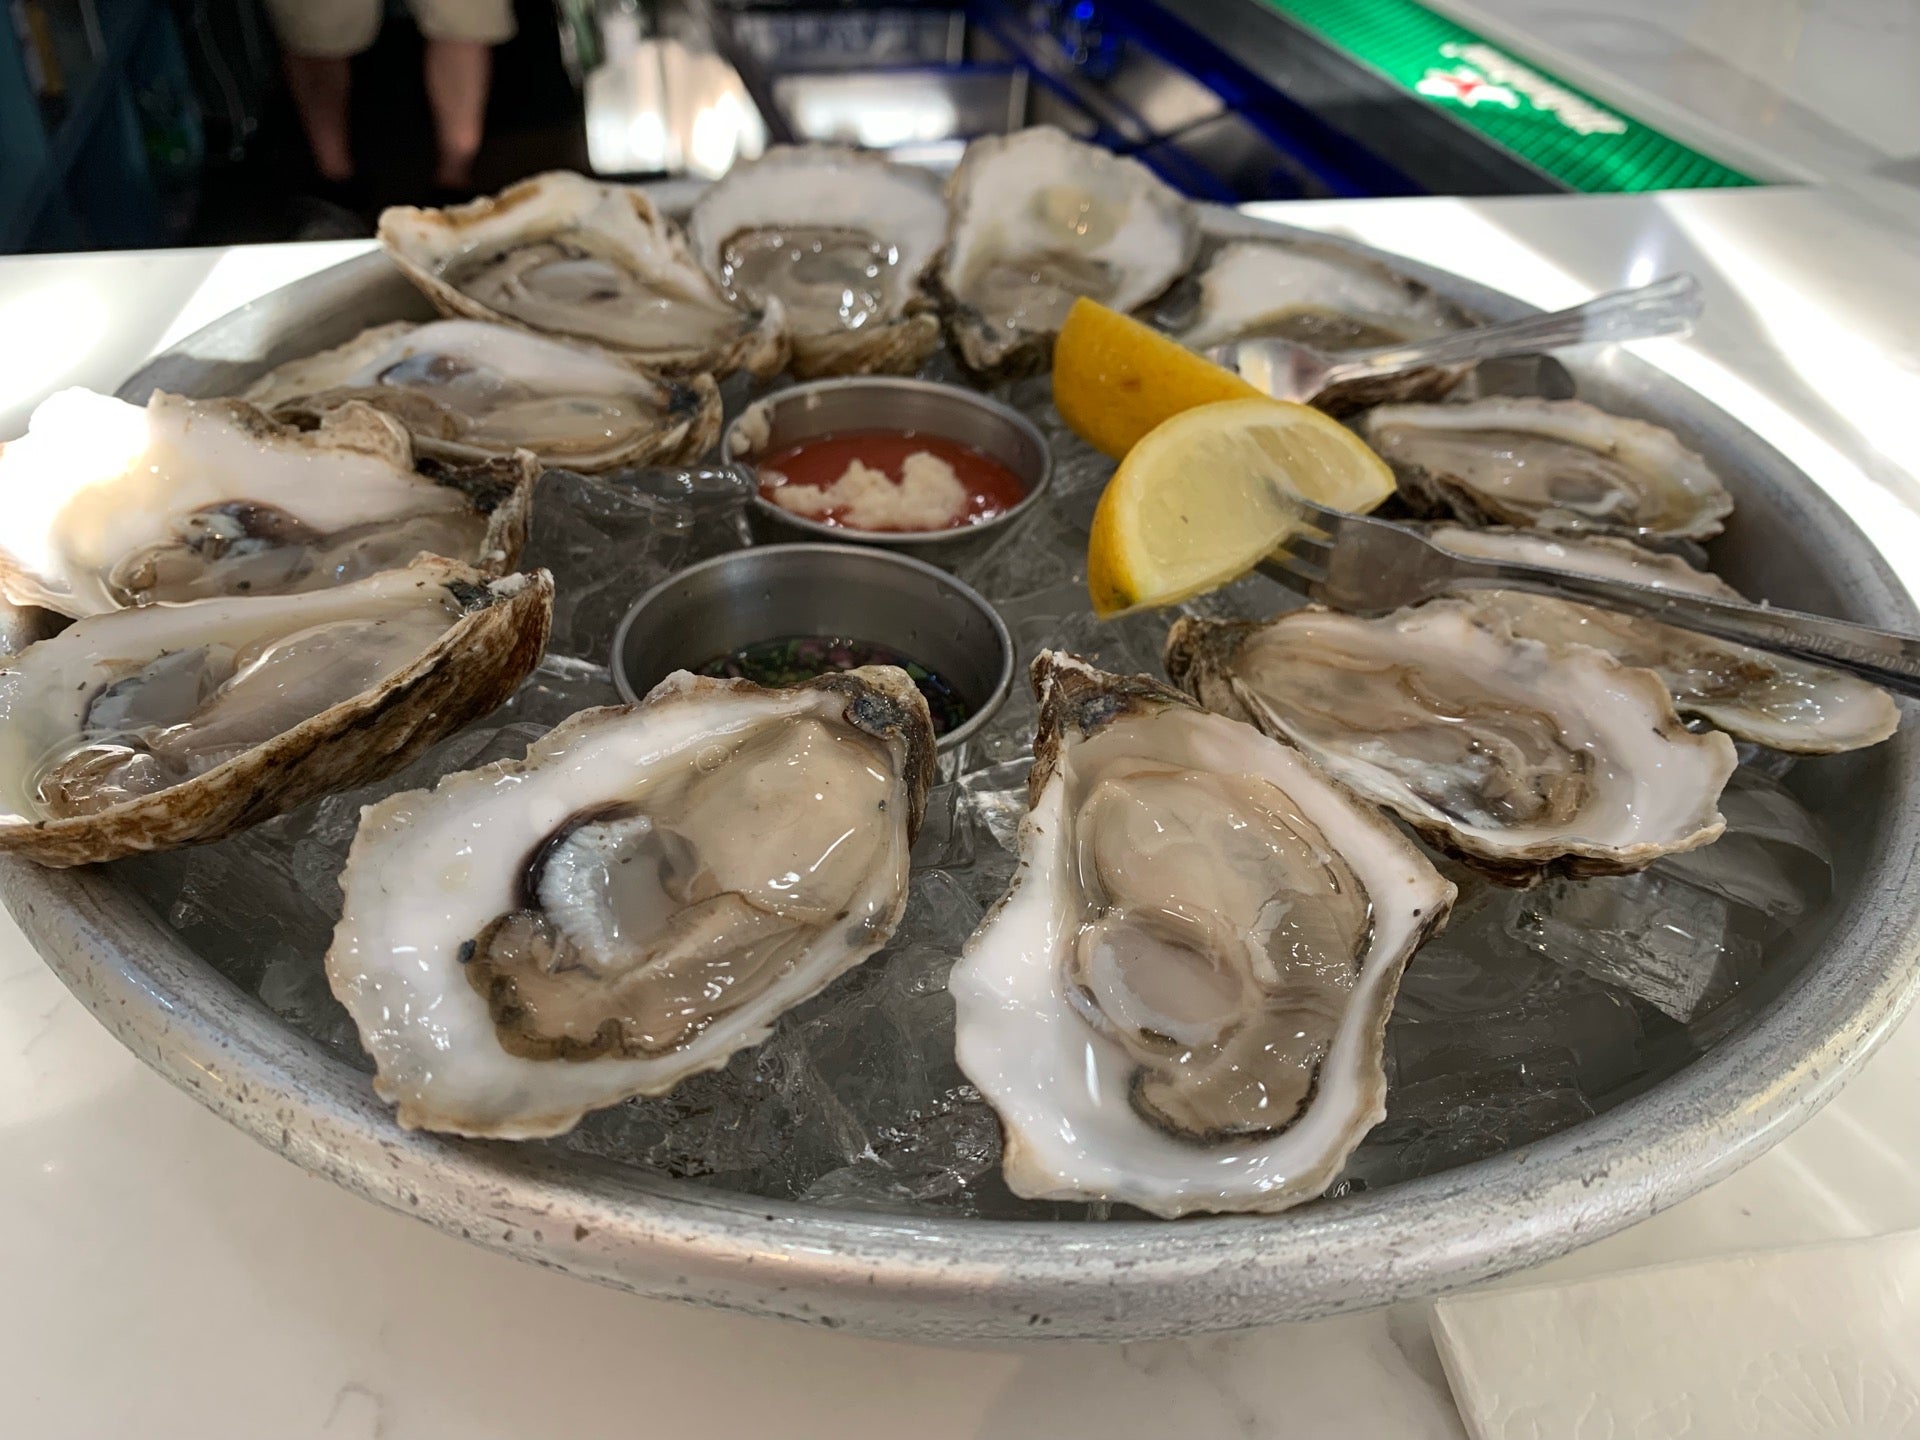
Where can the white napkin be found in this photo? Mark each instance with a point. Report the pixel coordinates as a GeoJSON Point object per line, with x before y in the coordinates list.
{"type": "Point", "coordinates": [1816, 1342]}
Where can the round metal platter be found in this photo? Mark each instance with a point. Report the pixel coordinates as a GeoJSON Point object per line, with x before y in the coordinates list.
{"type": "Point", "coordinates": [1851, 978]}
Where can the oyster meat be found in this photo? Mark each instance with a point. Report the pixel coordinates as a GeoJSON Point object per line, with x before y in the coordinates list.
{"type": "Point", "coordinates": [105, 504]}
{"type": "Point", "coordinates": [1509, 753]}
{"type": "Point", "coordinates": [1180, 1003]}
{"type": "Point", "coordinates": [1548, 465]}
{"type": "Point", "coordinates": [841, 240]}
{"type": "Point", "coordinates": [564, 255]}
{"type": "Point", "coordinates": [640, 897]}
{"type": "Point", "coordinates": [472, 390]}
{"type": "Point", "coordinates": [167, 725]}
{"type": "Point", "coordinates": [1038, 220]}
{"type": "Point", "coordinates": [1752, 695]}
{"type": "Point", "coordinates": [1326, 298]}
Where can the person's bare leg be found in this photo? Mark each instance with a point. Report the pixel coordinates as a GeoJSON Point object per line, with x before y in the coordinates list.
{"type": "Point", "coordinates": [458, 74]}
{"type": "Point", "coordinates": [320, 88]}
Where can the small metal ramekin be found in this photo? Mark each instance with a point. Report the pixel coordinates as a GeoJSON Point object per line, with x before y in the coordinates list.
{"type": "Point", "coordinates": [888, 402]}
{"type": "Point", "coordinates": [718, 606]}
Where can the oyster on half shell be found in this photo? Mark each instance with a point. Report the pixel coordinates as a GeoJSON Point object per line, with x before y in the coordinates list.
{"type": "Point", "coordinates": [1180, 1003]}
{"type": "Point", "coordinates": [842, 240]}
{"type": "Point", "coordinates": [1548, 465]}
{"type": "Point", "coordinates": [566, 256]}
{"type": "Point", "coordinates": [472, 390]}
{"type": "Point", "coordinates": [1752, 695]}
{"type": "Point", "coordinates": [167, 725]}
{"type": "Point", "coordinates": [1512, 754]}
{"type": "Point", "coordinates": [105, 504]}
{"type": "Point", "coordinates": [640, 897]}
{"type": "Point", "coordinates": [1040, 219]}
{"type": "Point", "coordinates": [1328, 299]}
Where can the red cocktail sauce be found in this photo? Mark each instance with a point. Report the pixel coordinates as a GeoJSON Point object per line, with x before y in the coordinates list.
{"type": "Point", "coordinates": [992, 489]}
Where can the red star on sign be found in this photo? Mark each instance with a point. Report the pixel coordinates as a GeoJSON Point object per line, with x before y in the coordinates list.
{"type": "Point", "coordinates": [1466, 87]}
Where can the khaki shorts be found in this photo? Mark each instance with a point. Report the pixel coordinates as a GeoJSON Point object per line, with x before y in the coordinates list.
{"type": "Point", "coordinates": [334, 29]}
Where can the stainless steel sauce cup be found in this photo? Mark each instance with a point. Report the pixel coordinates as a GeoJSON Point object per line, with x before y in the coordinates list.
{"type": "Point", "coordinates": [886, 402]}
{"type": "Point", "coordinates": [769, 591]}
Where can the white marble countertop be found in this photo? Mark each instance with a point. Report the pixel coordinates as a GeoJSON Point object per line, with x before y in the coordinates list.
{"type": "Point", "coordinates": [167, 1277]}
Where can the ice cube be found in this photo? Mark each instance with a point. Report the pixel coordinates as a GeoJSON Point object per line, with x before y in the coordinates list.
{"type": "Point", "coordinates": [1675, 946]}
{"type": "Point", "coordinates": [610, 538]}
{"type": "Point", "coordinates": [1773, 858]}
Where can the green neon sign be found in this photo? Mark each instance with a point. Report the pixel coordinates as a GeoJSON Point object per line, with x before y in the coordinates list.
{"type": "Point", "coordinates": [1544, 120]}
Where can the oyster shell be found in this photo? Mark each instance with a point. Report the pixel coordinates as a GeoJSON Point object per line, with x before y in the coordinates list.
{"type": "Point", "coordinates": [471, 390]}
{"type": "Point", "coordinates": [1511, 754]}
{"type": "Point", "coordinates": [1767, 699]}
{"type": "Point", "coordinates": [1180, 1003]}
{"type": "Point", "coordinates": [842, 240]}
{"type": "Point", "coordinates": [640, 897]}
{"type": "Point", "coordinates": [172, 724]}
{"type": "Point", "coordinates": [1326, 298]}
{"type": "Point", "coordinates": [563, 255]}
{"type": "Point", "coordinates": [1040, 219]}
{"type": "Point", "coordinates": [105, 504]}
{"type": "Point", "coordinates": [1548, 465]}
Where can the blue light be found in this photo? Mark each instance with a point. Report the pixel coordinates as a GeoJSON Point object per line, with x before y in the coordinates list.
{"type": "Point", "coordinates": [1083, 10]}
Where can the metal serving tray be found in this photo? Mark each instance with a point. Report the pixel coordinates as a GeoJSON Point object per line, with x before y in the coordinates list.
{"type": "Point", "coordinates": [957, 1279]}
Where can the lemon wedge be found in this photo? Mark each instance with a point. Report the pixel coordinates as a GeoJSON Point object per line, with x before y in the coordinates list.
{"type": "Point", "coordinates": [1115, 379]}
{"type": "Point", "coordinates": [1201, 499]}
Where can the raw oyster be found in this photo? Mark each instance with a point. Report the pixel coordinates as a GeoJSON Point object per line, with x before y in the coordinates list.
{"type": "Point", "coordinates": [104, 504]}
{"type": "Point", "coordinates": [842, 240]}
{"type": "Point", "coordinates": [564, 255]}
{"type": "Point", "coordinates": [1767, 699]}
{"type": "Point", "coordinates": [1512, 754]}
{"type": "Point", "coordinates": [639, 898]}
{"type": "Point", "coordinates": [471, 390]}
{"type": "Point", "coordinates": [1040, 219]}
{"type": "Point", "coordinates": [1180, 1003]}
{"type": "Point", "coordinates": [1326, 298]}
{"type": "Point", "coordinates": [172, 724]}
{"type": "Point", "coordinates": [1548, 465]}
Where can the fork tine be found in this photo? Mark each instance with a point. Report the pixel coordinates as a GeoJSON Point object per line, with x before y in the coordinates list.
{"type": "Point", "coordinates": [1294, 565]}
{"type": "Point", "coordinates": [1312, 519]}
{"type": "Point", "coordinates": [1309, 547]}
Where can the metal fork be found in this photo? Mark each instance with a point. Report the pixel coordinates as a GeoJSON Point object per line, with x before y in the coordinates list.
{"type": "Point", "coordinates": [1369, 566]}
{"type": "Point", "coordinates": [1288, 370]}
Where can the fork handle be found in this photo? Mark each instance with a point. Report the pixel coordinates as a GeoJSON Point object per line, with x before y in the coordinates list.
{"type": "Point", "coordinates": [1665, 307]}
{"type": "Point", "coordinates": [1882, 656]}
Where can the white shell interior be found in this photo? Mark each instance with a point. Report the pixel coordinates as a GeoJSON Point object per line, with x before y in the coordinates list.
{"type": "Point", "coordinates": [1061, 1087]}
{"type": "Point", "coordinates": [1251, 283]}
{"type": "Point", "coordinates": [95, 480]}
{"type": "Point", "coordinates": [46, 690]}
{"type": "Point", "coordinates": [1653, 784]}
{"type": "Point", "coordinates": [1680, 494]}
{"type": "Point", "coordinates": [827, 187]}
{"type": "Point", "coordinates": [1768, 699]}
{"type": "Point", "coordinates": [429, 870]}
{"type": "Point", "coordinates": [1023, 198]}
{"type": "Point", "coordinates": [506, 388]}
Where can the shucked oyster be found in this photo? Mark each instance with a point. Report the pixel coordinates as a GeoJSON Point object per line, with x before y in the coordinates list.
{"type": "Point", "coordinates": [1038, 220]}
{"type": "Point", "coordinates": [1326, 298]}
{"type": "Point", "coordinates": [1768, 699]}
{"type": "Point", "coordinates": [104, 504]}
{"type": "Point", "coordinates": [1512, 754]}
{"type": "Point", "coordinates": [470, 390]}
{"type": "Point", "coordinates": [564, 255]}
{"type": "Point", "coordinates": [172, 724]}
{"type": "Point", "coordinates": [842, 240]}
{"type": "Point", "coordinates": [639, 898]}
{"type": "Point", "coordinates": [1548, 465]}
{"type": "Point", "coordinates": [1180, 1003]}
